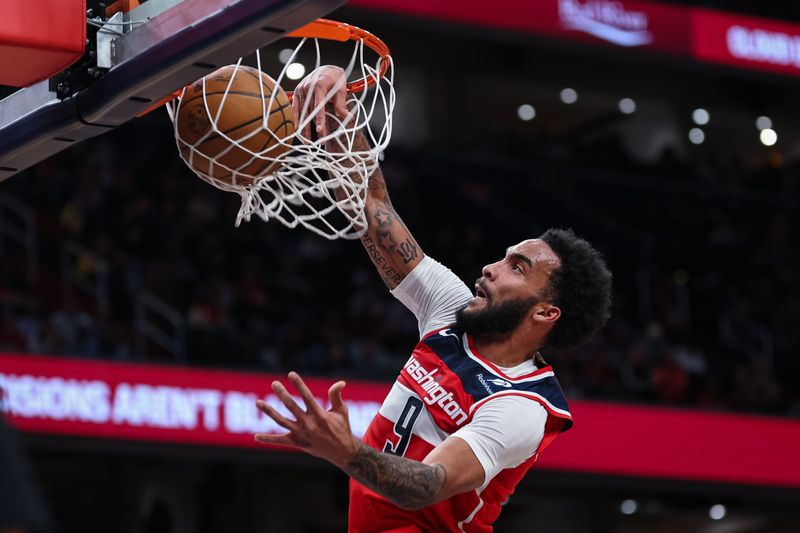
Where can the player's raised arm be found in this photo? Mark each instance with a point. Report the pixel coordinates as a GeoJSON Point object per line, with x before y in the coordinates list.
{"type": "Point", "coordinates": [389, 243]}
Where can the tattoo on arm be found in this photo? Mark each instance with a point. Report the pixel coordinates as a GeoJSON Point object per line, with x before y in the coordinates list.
{"type": "Point", "coordinates": [408, 251]}
{"type": "Point", "coordinates": [406, 483]}
{"type": "Point", "coordinates": [386, 241]}
{"type": "Point", "coordinates": [384, 217]}
{"type": "Point", "coordinates": [390, 276]}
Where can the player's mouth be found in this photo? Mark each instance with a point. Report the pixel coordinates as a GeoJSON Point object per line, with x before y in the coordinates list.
{"type": "Point", "coordinates": [481, 293]}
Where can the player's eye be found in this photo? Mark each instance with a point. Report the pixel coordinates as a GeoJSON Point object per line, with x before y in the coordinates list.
{"type": "Point", "coordinates": [516, 267]}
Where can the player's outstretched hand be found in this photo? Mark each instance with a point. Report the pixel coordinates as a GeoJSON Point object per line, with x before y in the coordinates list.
{"type": "Point", "coordinates": [316, 431]}
{"type": "Point", "coordinates": [324, 85]}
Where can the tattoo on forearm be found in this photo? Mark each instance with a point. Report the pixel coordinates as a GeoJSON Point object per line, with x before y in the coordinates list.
{"type": "Point", "coordinates": [384, 231]}
{"type": "Point", "coordinates": [384, 217]}
{"type": "Point", "coordinates": [407, 483]}
{"type": "Point", "coordinates": [408, 251]}
{"type": "Point", "coordinates": [386, 241]}
{"type": "Point", "coordinates": [389, 275]}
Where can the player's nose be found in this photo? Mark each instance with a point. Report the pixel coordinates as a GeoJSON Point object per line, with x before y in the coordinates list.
{"type": "Point", "coordinates": [489, 271]}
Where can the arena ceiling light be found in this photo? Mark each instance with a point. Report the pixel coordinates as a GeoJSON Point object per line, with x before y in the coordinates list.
{"type": "Point", "coordinates": [295, 71]}
{"type": "Point", "coordinates": [628, 507]}
{"type": "Point", "coordinates": [569, 95]}
{"type": "Point", "coordinates": [768, 137]}
{"type": "Point", "coordinates": [627, 106]}
{"type": "Point", "coordinates": [700, 116]}
{"type": "Point", "coordinates": [526, 112]}
{"type": "Point", "coordinates": [285, 55]}
{"type": "Point", "coordinates": [717, 512]}
{"type": "Point", "coordinates": [697, 136]}
{"type": "Point", "coordinates": [763, 123]}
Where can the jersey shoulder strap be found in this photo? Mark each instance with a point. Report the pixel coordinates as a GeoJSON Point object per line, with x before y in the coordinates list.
{"type": "Point", "coordinates": [483, 380]}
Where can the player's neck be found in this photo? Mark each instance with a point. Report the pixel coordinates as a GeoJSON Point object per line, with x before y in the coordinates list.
{"type": "Point", "coordinates": [506, 350]}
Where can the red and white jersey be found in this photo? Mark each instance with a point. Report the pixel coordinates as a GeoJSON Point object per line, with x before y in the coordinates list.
{"type": "Point", "coordinates": [441, 390]}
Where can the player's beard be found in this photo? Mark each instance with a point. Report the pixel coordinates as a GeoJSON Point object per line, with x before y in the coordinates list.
{"type": "Point", "coordinates": [494, 319]}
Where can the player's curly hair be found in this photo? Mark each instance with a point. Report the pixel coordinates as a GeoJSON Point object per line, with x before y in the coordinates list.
{"type": "Point", "coordinates": [580, 287]}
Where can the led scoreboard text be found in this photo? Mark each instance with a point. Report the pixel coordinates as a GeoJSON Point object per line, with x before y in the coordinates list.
{"type": "Point", "coordinates": [151, 402]}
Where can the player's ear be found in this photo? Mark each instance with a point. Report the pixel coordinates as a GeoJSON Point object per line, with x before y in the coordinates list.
{"type": "Point", "coordinates": [546, 313]}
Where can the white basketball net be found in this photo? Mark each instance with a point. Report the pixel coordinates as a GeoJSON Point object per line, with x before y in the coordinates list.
{"type": "Point", "coordinates": [323, 191]}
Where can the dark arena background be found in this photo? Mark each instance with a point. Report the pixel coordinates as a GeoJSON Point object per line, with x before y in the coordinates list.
{"type": "Point", "coordinates": [139, 325]}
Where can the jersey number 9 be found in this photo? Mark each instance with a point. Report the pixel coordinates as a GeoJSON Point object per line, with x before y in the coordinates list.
{"type": "Point", "coordinates": [404, 426]}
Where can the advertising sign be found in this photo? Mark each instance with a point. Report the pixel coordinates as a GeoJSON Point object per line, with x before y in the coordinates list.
{"type": "Point", "coordinates": [179, 405]}
{"type": "Point", "coordinates": [746, 42]}
{"type": "Point", "coordinates": [628, 24]}
{"type": "Point", "coordinates": [155, 403]}
{"type": "Point", "coordinates": [658, 27]}
{"type": "Point", "coordinates": [705, 35]}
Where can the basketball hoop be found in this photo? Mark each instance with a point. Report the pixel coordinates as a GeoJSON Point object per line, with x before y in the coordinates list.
{"type": "Point", "coordinates": [308, 185]}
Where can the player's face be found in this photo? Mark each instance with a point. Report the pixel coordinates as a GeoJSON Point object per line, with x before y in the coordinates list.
{"type": "Point", "coordinates": [509, 288]}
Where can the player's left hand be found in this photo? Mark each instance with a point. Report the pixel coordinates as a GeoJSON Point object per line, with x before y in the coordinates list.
{"type": "Point", "coordinates": [322, 433]}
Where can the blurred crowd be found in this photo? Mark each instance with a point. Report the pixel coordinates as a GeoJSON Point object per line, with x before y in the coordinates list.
{"type": "Point", "coordinates": [706, 291]}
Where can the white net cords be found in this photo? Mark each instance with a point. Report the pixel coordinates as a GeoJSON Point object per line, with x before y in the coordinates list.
{"type": "Point", "coordinates": [308, 185]}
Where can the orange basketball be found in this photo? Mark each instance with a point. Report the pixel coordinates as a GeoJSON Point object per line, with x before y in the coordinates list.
{"type": "Point", "coordinates": [241, 119]}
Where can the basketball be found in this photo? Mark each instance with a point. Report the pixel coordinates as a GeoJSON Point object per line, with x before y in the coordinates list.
{"type": "Point", "coordinates": [236, 107]}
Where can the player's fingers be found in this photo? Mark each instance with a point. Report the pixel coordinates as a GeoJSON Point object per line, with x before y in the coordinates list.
{"type": "Point", "coordinates": [299, 101]}
{"type": "Point", "coordinates": [340, 101]}
{"type": "Point", "coordinates": [320, 92]}
{"type": "Point", "coordinates": [284, 396]}
{"type": "Point", "coordinates": [296, 107]}
{"type": "Point", "coordinates": [312, 405]}
{"type": "Point", "coordinates": [304, 106]}
{"type": "Point", "coordinates": [335, 396]}
{"type": "Point", "coordinates": [282, 440]}
{"type": "Point", "coordinates": [275, 415]}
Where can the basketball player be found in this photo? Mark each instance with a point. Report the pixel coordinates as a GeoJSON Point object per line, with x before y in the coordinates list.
{"type": "Point", "coordinates": [475, 404]}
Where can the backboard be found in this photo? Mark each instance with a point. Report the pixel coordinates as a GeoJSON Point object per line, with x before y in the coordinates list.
{"type": "Point", "coordinates": [133, 60]}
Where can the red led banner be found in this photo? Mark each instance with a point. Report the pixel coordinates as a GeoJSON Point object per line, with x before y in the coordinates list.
{"type": "Point", "coordinates": [154, 403]}
{"type": "Point", "coordinates": [705, 35]}
{"type": "Point", "coordinates": [627, 23]}
{"type": "Point", "coordinates": [678, 444]}
{"type": "Point", "coordinates": [517, 15]}
{"type": "Point", "coordinates": [62, 396]}
{"type": "Point", "coordinates": [746, 42]}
